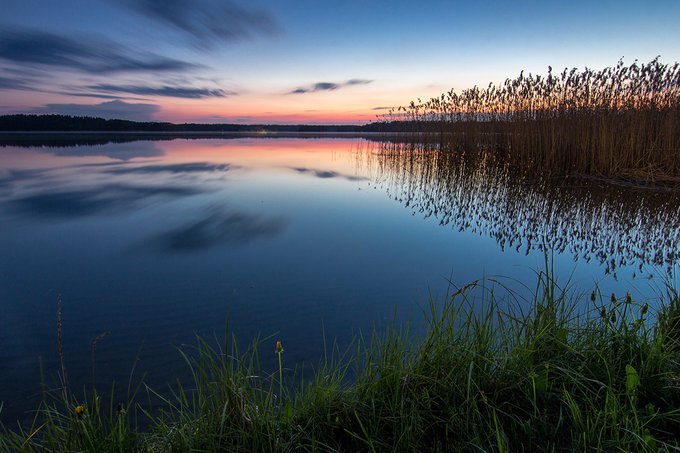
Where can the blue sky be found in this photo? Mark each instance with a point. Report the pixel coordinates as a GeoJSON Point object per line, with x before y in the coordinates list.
{"type": "Point", "coordinates": [306, 61]}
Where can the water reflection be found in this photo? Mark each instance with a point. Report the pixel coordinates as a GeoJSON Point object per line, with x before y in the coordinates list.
{"type": "Point", "coordinates": [120, 151]}
{"type": "Point", "coordinates": [217, 228]}
{"type": "Point", "coordinates": [86, 142]}
{"type": "Point", "coordinates": [593, 220]}
{"type": "Point", "coordinates": [91, 201]}
{"type": "Point", "coordinates": [283, 234]}
{"type": "Point", "coordinates": [119, 148]}
{"type": "Point", "coordinates": [326, 174]}
{"type": "Point", "coordinates": [190, 167]}
{"type": "Point", "coordinates": [93, 188]}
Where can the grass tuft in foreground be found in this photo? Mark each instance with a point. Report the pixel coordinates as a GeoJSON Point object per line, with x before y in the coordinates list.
{"type": "Point", "coordinates": [481, 377]}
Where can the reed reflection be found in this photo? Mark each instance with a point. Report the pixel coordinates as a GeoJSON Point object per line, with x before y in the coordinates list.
{"type": "Point", "coordinates": [593, 220]}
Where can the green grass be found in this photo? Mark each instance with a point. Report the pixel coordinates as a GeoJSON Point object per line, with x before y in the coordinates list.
{"type": "Point", "coordinates": [560, 372]}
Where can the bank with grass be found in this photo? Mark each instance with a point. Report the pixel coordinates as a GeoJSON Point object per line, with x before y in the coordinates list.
{"type": "Point", "coordinates": [560, 372]}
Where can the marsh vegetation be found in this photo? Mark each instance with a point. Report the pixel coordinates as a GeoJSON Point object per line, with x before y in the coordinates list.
{"type": "Point", "coordinates": [620, 121]}
{"type": "Point", "coordinates": [486, 374]}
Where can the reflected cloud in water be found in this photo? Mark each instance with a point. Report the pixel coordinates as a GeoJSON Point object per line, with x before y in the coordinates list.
{"type": "Point", "coordinates": [85, 202]}
{"type": "Point", "coordinates": [615, 225]}
{"type": "Point", "coordinates": [135, 245]}
{"type": "Point", "coordinates": [117, 146]}
{"type": "Point", "coordinates": [60, 192]}
{"type": "Point", "coordinates": [217, 228]}
{"type": "Point", "coordinates": [118, 151]}
{"type": "Point", "coordinates": [192, 167]}
{"type": "Point", "coordinates": [13, 176]}
{"type": "Point", "coordinates": [326, 174]}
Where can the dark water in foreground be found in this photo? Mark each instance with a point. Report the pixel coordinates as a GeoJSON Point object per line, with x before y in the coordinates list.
{"type": "Point", "coordinates": [155, 241]}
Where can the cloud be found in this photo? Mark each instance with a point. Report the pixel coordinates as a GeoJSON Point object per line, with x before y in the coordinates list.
{"type": "Point", "coordinates": [108, 110]}
{"type": "Point", "coordinates": [12, 84]}
{"type": "Point", "coordinates": [169, 91]}
{"type": "Point", "coordinates": [92, 55]}
{"type": "Point", "coordinates": [206, 22]}
{"type": "Point", "coordinates": [329, 86]}
{"type": "Point", "coordinates": [95, 95]}
{"type": "Point", "coordinates": [382, 108]}
{"type": "Point", "coordinates": [358, 82]}
{"type": "Point", "coordinates": [192, 167]}
{"type": "Point", "coordinates": [85, 202]}
{"type": "Point", "coordinates": [217, 228]}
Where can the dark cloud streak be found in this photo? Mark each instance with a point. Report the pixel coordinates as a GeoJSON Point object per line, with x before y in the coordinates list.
{"type": "Point", "coordinates": [168, 91]}
{"type": "Point", "coordinates": [329, 86]}
{"type": "Point", "coordinates": [21, 46]}
{"type": "Point", "coordinates": [207, 23]}
{"type": "Point", "coordinates": [96, 95]}
{"type": "Point", "coordinates": [12, 84]}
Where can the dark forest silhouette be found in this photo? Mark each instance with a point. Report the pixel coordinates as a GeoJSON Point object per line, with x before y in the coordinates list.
{"type": "Point", "coordinates": [67, 123]}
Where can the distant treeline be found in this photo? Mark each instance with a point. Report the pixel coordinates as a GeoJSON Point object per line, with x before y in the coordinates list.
{"type": "Point", "coordinates": [66, 123]}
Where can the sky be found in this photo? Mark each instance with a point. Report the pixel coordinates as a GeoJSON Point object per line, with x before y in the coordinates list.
{"type": "Point", "coordinates": [301, 61]}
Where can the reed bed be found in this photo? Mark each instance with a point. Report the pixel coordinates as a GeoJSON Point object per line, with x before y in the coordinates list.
{"type": "Point", "coordinates": [561, 371]}
{"type": "Point", "coordinates": [621, 121]}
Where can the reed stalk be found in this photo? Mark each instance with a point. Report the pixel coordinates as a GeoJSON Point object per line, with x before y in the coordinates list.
{"type": "Point", "coordinates": [557, 371]}
{"type": "Point", "coordinates": [621, 121]}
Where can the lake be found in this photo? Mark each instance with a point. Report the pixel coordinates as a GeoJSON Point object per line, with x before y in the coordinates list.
{"type": "Point", "coordinates": [294, 238]}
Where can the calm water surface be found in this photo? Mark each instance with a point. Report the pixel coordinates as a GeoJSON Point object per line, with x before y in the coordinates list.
{"type": "Point", "coordinates": [156, 241]}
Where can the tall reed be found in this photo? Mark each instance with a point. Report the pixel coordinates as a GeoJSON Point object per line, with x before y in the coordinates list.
{"type": "Point", "coordinates": [620, 121]}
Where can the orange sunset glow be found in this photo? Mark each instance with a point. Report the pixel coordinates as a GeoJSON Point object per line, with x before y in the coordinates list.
{"type": "Point", "coordinates": [265, 62]}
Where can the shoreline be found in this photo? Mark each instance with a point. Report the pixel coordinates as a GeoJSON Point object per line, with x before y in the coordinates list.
{"type": "Point", "coordinates": [552, 378]}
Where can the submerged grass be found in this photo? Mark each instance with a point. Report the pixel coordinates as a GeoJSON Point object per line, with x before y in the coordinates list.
{"type": "Point", "coordinates": [552, 376]}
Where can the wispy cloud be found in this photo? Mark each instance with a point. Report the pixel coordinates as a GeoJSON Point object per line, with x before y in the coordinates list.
{"type": "Point", "coordinates": [206, 23]}
{"type": "Point", "coordinates": [12, 84]}
{"type": "Point", "coordinates": [100, 96]}
{"type": "Point", "coordinates": [94, 55]}
{"type": "Point", "coordinates": [168, 91]}
{"type": "Point", "coordinates": [329, 86]}
{"type": "Point", "coordinates": [107, 110]}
